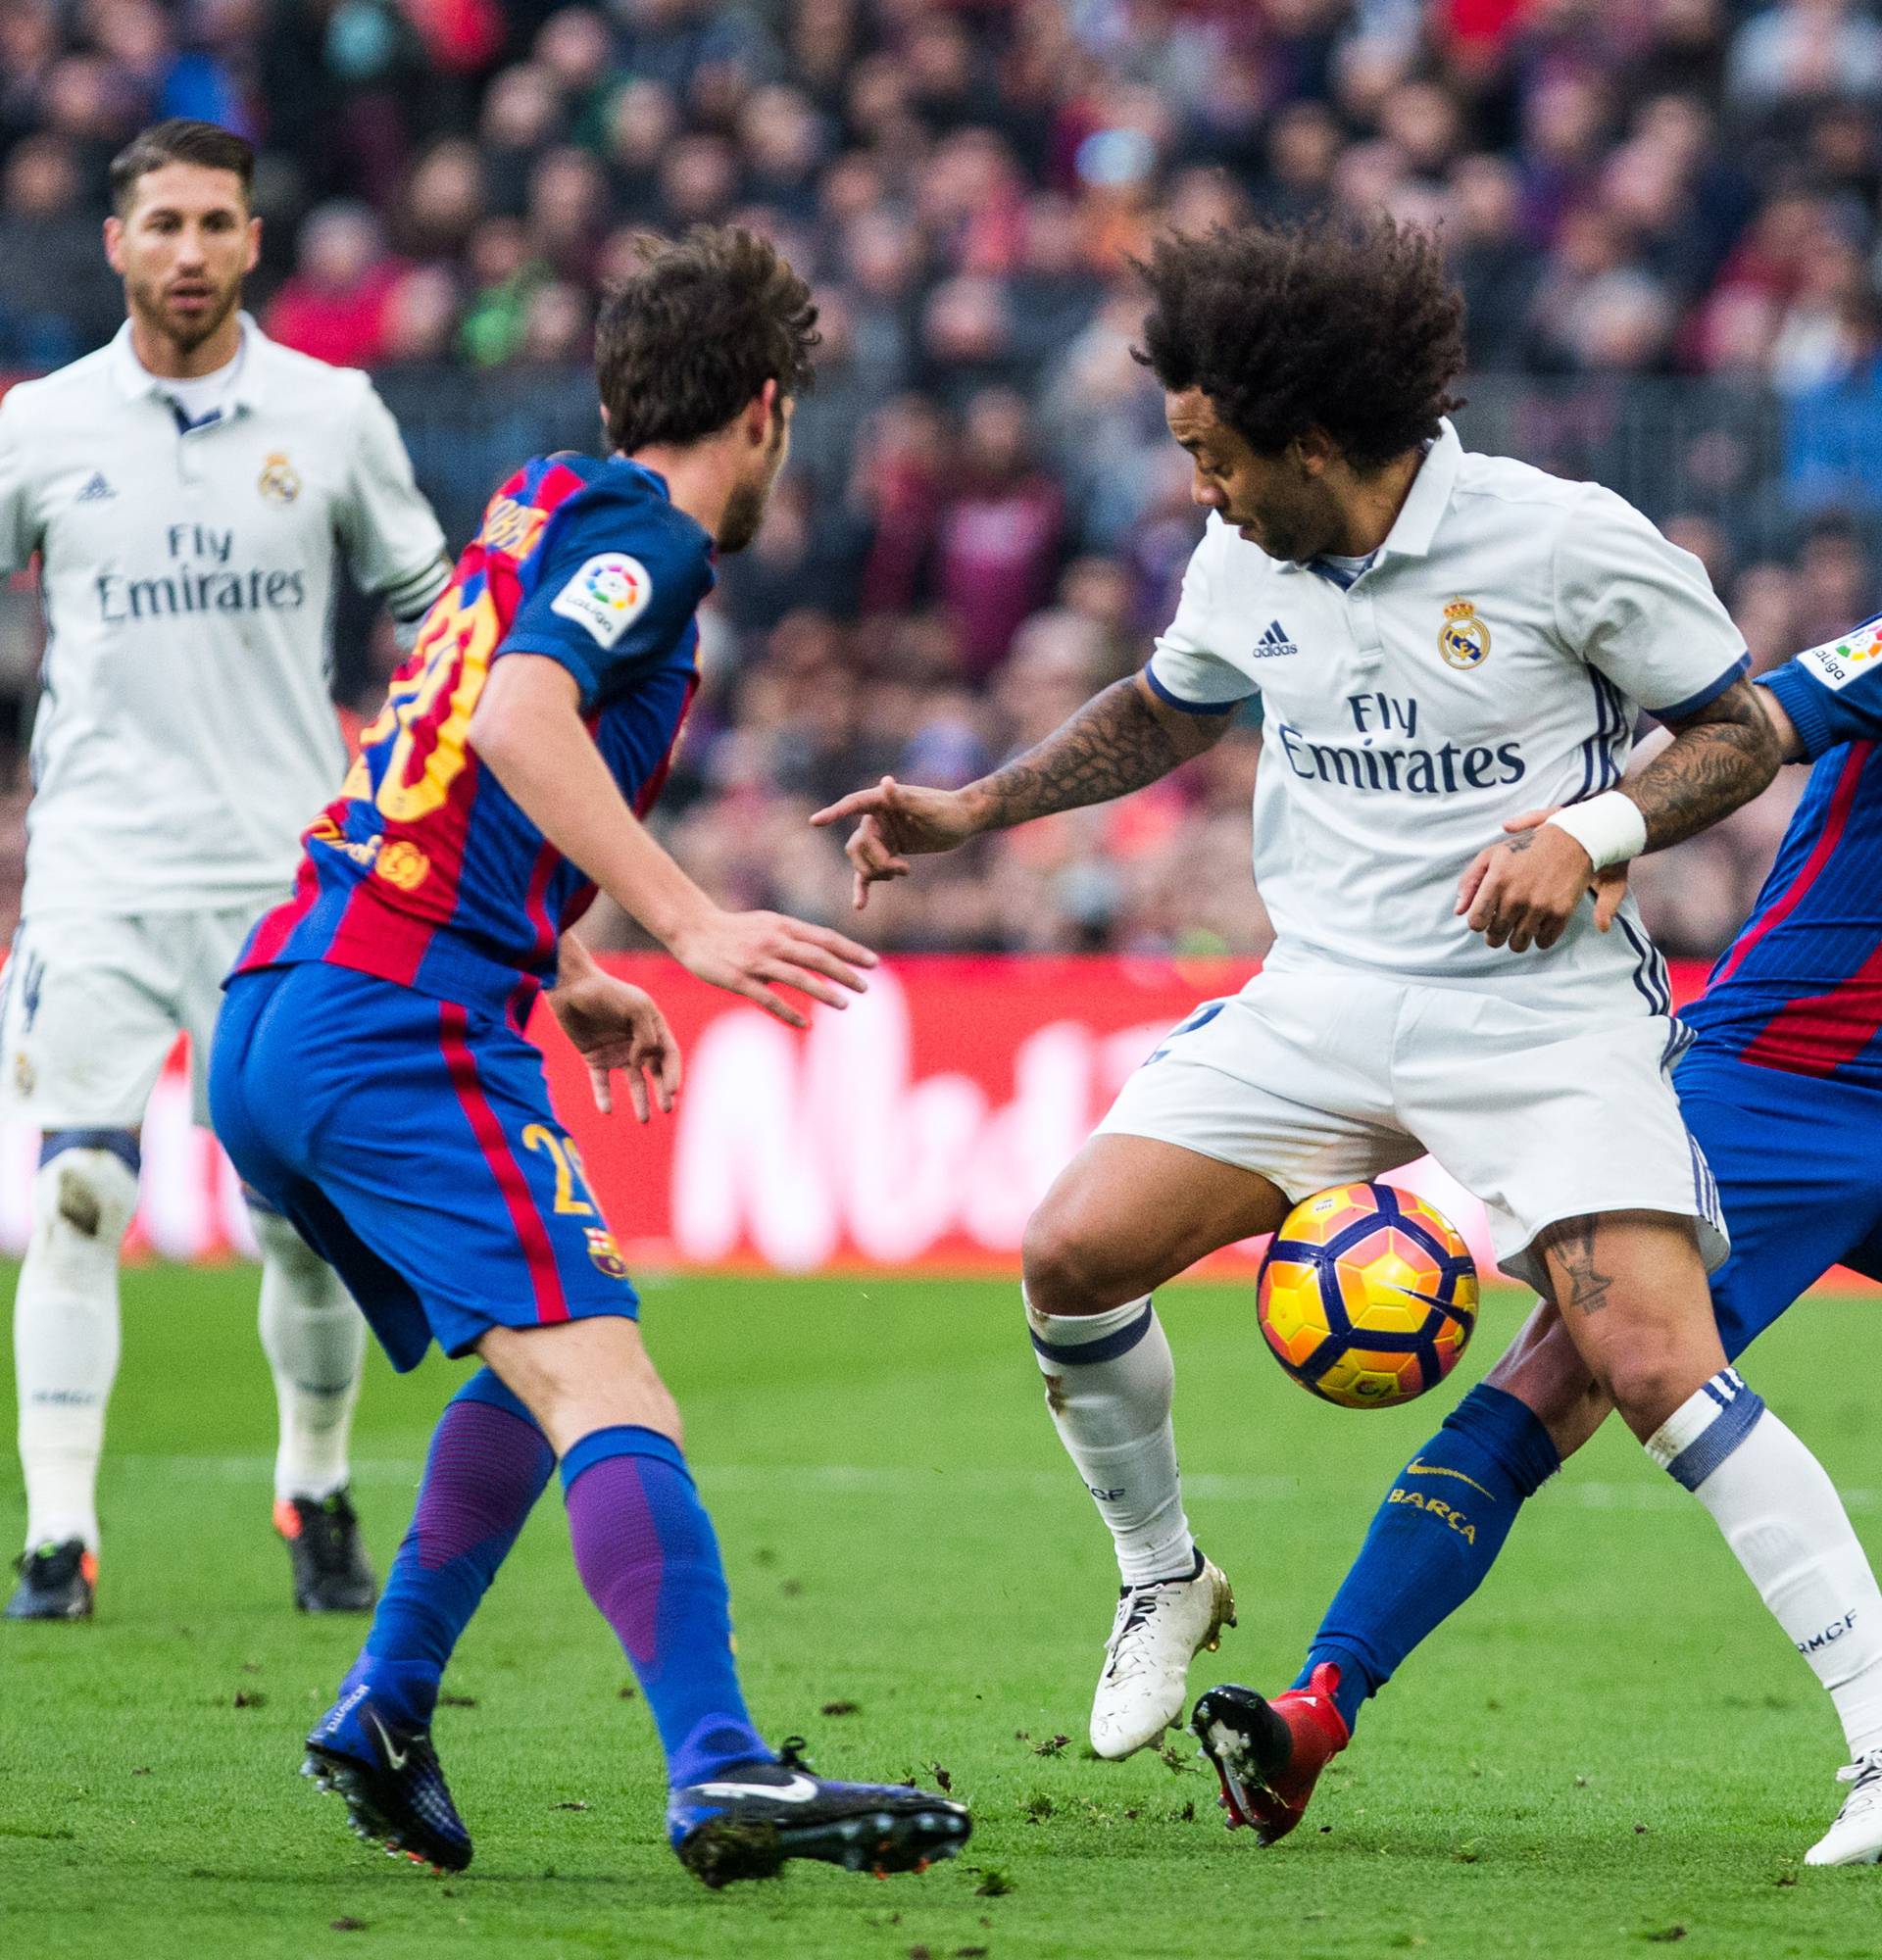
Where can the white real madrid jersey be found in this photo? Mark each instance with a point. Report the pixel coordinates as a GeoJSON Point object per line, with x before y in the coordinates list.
{"type": "Point", "coordinates": [185, 734]}
{"type": "Point", "coordinates": [1493, 658]}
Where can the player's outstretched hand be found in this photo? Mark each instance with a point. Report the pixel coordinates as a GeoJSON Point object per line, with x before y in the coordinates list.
{"type": "Point", "coordinates": [897, 821]}
{"type": "Point", "coordinates": [1524, 893]}
{"type": "Point", "coordinates": [618, 1026]}
{"type": "Point", "coordinates": [753, 952]}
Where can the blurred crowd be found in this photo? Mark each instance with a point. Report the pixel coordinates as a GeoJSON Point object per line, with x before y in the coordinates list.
{"type": "Point", "coordinates": [985, 517]}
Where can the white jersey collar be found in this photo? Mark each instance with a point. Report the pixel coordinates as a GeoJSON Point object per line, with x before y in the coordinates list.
{"type": "Point", "coordinates": [135, 381]}
{"type": "Point", "coordinates": [1429, 496]}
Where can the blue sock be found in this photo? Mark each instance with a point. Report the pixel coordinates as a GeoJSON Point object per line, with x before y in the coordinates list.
{"type": "Point", "coordinates": [487, 1466]}
{"type": "Point", "coordinates": [646, 1553]}
{"type": "Point", "coordinates": [1433, 1542]}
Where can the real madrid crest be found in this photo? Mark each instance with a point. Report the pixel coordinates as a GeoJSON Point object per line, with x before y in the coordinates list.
{"type": "Point", "coordinates": [1464, 639]}
{"type": "Point", "coordinates": [280, 481]}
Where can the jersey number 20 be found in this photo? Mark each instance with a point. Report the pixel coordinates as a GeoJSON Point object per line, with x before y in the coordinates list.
{"type": "Point", "coordinates": [429, 706]}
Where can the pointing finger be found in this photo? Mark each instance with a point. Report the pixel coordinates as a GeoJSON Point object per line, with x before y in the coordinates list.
{"type": "Point", "coordinates": [859, 803]}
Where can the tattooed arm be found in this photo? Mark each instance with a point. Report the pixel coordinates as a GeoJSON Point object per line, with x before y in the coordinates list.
{"type": "Point", "coordinates": [1523, 892]}
{"type": "Point", "coordinates": [1719, 758]}
{"type": "Point", "coordinates": [1119, 741]}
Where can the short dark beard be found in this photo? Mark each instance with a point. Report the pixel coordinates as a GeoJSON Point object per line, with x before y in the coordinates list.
{"type": "Point", "coordinates": [156, 320]}
{"type": "Point", "coordinates": [1287, 548]}
{"type": "Point", "coordinates": [744, 513]}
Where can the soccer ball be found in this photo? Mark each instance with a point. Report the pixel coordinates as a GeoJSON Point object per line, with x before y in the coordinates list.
{"type": "Point", "coordinates": [1367, 1296]}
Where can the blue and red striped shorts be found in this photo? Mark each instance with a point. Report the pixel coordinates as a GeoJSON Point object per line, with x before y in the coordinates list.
{"type": "Point", "coordinates": [413, 1144]}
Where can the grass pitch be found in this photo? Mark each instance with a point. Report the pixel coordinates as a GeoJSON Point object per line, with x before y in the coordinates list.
{"type": "Point", "coordinates": [1611, 1748]}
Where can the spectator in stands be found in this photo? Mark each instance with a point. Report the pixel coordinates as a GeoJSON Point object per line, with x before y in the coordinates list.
{"type": "Point", "coordinates": [1000, 538]}
{"type": "Point", "coordinates": [335, 305]}
{"type": "Point", "coordinates": [442, 202]}
{"type": "Point", "coordinates": [58, 297]}
{"type": "Point", "coordinates": [1805, 49]}
{"type": "Point", "coordinates": [983, 490]}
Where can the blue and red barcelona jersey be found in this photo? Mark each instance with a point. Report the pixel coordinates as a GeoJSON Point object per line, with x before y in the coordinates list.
{"type": "Point", "coordinates": [423, 871]}
{"type": "Point", "coordinates": [1801, 988]}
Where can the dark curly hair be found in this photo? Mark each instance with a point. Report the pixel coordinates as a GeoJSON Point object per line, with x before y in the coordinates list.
{"type": "Point", "coordinates": [695, 332]}
{"type": "Point", "coordinates": [1351, 327]}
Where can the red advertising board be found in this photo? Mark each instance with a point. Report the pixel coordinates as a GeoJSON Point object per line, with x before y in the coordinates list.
{"type": "Point", "coordinates": [917, 1127]}
{"type": "Point", "coordinates": [914, 1130]}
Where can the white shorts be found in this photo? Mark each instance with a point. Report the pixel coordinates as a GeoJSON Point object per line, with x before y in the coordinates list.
{"type": "Point", "coordinates": [1331, 1077]}
{"type": "Point", "coordinates": [93, 1004]}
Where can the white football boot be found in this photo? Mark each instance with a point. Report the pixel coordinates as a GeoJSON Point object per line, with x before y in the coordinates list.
{"type": "Point", "coordinates": [1856, 1837]}
{"type": "Point", "coordinates": [1160, 1628]}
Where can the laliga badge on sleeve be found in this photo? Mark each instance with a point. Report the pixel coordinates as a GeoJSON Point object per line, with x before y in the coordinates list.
{"type": "Point", "coordinates": [606, 596]}
{"type": "Point", "coordinates": [1837, 662]}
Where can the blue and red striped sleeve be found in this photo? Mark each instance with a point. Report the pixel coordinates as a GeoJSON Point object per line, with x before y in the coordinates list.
{"type": "Point", "coordinates": [613, 587]}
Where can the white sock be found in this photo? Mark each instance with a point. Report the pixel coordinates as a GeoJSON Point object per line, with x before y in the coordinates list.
{"type": "Point", "coordinates": [1782, 1517]}
{"type": "Point", "coordinates": [315, 1341]}
{"type": "Point", "coordinates": [1109, 1384]}
{"type": "Point", "coordinates": [65, 1338]}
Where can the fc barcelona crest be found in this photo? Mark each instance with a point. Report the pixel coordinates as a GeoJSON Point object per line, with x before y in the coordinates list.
{"type": "Point", "coordinates": [605, 1253]}
{"type": "Point", "coordinates": [1464, 639]}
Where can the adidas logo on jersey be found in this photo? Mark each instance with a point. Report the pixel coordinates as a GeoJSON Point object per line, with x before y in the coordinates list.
{"type": "Point", "coordinates": [96, 490]}
{"type": "Point", "coordinates": [1273, 643]}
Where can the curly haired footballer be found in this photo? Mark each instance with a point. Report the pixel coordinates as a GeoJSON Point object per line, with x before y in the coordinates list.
{"type": "Point", "coordinates": [1351, 328]}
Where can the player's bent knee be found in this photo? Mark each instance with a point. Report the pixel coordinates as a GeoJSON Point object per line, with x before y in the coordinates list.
{"type": "Point", "coordinates": [579, 1376]}
{"type": "Point", "coordinates": [1069, 1267]}
{"type": "Point", "coordinates": [1645, 1365]}
{"type": "Point", "coordinates": [1647, 1385]}
{"type": "Point", "coordinates": [83, 1198]}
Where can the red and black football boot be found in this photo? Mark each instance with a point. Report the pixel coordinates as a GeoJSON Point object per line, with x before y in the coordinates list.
{"type": "Point", "coordinates": [1269, 1754]}
{"type": "Point", "coordinates": [331, 1572]}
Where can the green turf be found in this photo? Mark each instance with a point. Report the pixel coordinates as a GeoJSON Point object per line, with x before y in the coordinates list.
{"type": "Point", "coordinates": [1612, 1747]}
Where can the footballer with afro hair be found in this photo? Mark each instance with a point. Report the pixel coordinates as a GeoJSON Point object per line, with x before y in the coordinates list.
{"type": "Point", "coordinates": [1304, 367]}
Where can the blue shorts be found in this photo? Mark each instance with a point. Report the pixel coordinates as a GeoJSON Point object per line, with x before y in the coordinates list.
{"type": "Point", "coordinates": [1798, 1176]}
{"type": "Point", "coordinates": [412, 1143]}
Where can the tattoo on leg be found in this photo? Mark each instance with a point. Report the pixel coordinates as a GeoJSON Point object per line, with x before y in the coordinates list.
{"type": "Point", "coordinates": [1570, 1246]}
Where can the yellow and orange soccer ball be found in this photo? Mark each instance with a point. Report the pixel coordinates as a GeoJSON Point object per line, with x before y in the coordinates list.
{"type": "Point", "coordinates": [1367, 1296]}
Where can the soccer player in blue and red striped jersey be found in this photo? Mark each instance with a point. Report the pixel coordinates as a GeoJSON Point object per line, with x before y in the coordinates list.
{"type": "Point", "coordinates": [372, 1082]}
{"type": "Point", "coordinates": [1782, 1088]}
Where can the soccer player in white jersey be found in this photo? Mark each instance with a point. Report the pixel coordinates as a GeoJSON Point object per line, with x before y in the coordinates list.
{"type": "Point", "coordinates": [185, 489]}
{"type": "Point", "coordinates": [1440, 641]}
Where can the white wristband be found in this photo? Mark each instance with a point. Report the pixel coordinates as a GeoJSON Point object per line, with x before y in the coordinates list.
{"type": "Point", "coordinates": [1609, 827]}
